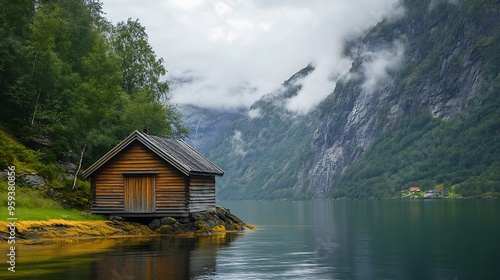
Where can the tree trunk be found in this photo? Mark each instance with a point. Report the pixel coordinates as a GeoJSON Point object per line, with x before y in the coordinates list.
{"type": "Point", "coordinates": [36, 106]}
{"type": "Point", "coordinates": [78, 169]}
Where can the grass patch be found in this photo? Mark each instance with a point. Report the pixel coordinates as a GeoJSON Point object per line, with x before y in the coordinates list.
{"type": "Point", "coordinates": [34, 214]}
{"type": "Point", "coordinates": [27, 198]}
{"type": "Point", "coordinates": [33, 205]}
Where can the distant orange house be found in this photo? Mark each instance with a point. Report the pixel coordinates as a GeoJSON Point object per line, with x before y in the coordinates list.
{"type": "Point", "coordinates": [414, 189]}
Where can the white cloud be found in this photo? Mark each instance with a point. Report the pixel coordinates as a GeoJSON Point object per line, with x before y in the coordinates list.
{"type": "Point", "coordinates": [318, 84]}
{"type": "Point", "coordinates": [377, 64]}
{"type": "Point", "coordinates": [255, 113]}
{"type": "Point", "coordinates": [238, 144]}
{"type": "Point", "coordinates": [240, 50]}
{"type": "Point", "coordinates": [222, 9]}
{"type": "Point", "coordinates": [330, 64]}
{"type": "Point", "coordinates": [186, 4]}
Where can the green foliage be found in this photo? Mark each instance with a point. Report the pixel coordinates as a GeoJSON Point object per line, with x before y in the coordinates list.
{"type": "Point", "coordinates": [141, 70]}
{"type": "Point", "coordinates": [67, 73]}
{"type": "Point", "coordinates": [143, 112]}
{"type": "Point", "coordinates": [27, 198]}
{"type": "Point", "coordinates": [58, 191]}
{"type": "Point", "coordinates": [13, 153]}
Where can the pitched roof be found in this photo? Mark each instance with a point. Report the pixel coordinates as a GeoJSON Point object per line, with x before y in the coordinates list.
{"type": "Point", "coordinates": [176, 152]}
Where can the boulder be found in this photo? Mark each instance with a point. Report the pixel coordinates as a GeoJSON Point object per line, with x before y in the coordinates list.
{"type": "Point", "coordinates": [32, 180]}
{"type": "Point", "coordinates": [166, 229]}
{"type": "Point", "coordinates": [168, 221]}
{"type": "Point", "coordinates": [155, 224]}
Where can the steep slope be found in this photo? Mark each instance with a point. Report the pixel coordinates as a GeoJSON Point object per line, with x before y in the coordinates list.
{"type": "Point", "coordinates": [428, 80]}
{"type": "Point", "coordinates": [443, 68]}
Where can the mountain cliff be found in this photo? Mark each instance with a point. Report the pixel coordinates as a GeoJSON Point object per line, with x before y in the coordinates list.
{"type": "Point", "coordinates": [418, 107]}
{"type": "Point", "coordinates": [205, 124]}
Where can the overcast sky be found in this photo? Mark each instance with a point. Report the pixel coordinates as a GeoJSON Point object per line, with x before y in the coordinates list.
{"type": "Point", "coordinates": [234, 51]}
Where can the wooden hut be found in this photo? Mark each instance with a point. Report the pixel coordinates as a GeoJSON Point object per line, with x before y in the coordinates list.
{"type": "Point", "coordinates": [149, 176]}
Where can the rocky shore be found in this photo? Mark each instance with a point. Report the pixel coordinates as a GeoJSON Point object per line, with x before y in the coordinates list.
{"type": "Point", "coordinates": [220, 220]}
{"type": "Point", "coordinates": [207, 222]}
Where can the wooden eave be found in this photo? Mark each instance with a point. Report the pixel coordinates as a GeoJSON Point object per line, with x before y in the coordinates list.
{"type": "Point", "coordinates": [176, 152]}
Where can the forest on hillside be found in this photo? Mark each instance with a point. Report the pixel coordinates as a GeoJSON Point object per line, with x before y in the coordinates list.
{"type": "Point", "coordinates": [73, 83]}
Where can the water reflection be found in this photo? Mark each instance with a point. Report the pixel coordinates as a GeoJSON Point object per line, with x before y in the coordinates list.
{"type": "Point", "coordinates": [439, 239]}
{"type": "Point", "coordinates": [167, 258]}
{"type": "Point", "coordinates": [121, 259]}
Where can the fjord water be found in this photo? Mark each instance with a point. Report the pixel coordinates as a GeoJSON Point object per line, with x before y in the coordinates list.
{"type": "Point", "coordinates": [421, 239]}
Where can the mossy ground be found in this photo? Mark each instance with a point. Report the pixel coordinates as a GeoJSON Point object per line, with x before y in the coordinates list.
{"type": "Point", "coordinates": [60, 230]}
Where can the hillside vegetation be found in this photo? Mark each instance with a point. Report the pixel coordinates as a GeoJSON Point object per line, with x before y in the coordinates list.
{"type": "Point", "coordinates": [72, 85]}
{"type": "Point", "coordinates": [459, 155]}
{"type": "Point", "coordinates": [71, 81]}
{"type": "Point", "coordinates": [50, 195]}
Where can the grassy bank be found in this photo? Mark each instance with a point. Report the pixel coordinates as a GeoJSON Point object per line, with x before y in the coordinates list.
{"type": "Point", "coordinates": [56, 199]}
{"type": "Point", "coordinates": [60, 230]}
{"type": "Point", "coordinates": [40, 214]}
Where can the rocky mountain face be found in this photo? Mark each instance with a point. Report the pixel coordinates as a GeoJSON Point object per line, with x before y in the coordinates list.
{"type": "Point", "coordinates": [205, 124]}
{"type": "Point", "coordinates": [440, 72]}
{"type": "Point", "coordinates": [438, 62]}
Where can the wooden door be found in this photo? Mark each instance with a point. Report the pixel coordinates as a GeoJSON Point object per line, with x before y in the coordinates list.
{"type": "Point", "coordinates": [139, 194]}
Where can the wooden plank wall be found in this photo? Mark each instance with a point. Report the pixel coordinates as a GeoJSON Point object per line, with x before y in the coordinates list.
{"type": "Point", "coordinates": [109, 182]}
{"type": "Point", "coordinates": [201, 193]}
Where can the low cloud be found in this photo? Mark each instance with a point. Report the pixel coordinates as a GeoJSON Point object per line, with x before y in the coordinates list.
{"type": "Point", "coordinates": [254, 113]}
{"type": "Point", "coordinates": [317, 85]}
{"type": "Point", "coordinates": [376, 65]}
{"type": "Point", "coordinates": [329, 60]}
{"type": "Point", "coordinates": [238, 144]}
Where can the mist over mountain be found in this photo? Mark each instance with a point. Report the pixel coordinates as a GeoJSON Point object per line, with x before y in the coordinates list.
{"type": "Point", "coordinates": [418, 106]}
{"type": "Point", "coordinates": [206, 124]}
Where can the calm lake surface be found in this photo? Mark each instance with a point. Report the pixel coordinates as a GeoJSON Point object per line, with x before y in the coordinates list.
{"type": "Point", "coordinates": [431, 239]}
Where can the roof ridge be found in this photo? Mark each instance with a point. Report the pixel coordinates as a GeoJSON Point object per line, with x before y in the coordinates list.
{"type": "Point", "coordinates": [200, 154]}
{"type": "Point", "coordinates": [154, 142]}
